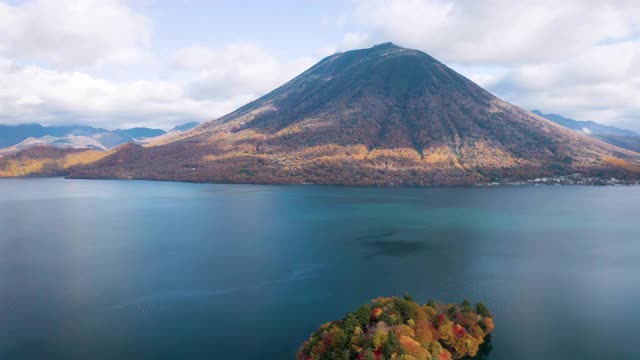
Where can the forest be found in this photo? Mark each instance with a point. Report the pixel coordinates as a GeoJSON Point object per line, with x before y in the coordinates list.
{"type": "Point", "coordinates": [400, 328]}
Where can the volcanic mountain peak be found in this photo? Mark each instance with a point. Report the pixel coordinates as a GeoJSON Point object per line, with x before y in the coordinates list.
{"type": "Point", "coordinates": [382, 115]}
{"type": "Point", "coordinates": [359, 88]}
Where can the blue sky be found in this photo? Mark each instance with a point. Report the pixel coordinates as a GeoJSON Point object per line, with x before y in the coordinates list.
{"type": "Point", "coordinates": [115, 63]}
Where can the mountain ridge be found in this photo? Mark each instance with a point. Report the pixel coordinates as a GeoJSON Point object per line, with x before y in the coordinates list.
{"type": "Point", "coordinates": [623, 138]}
{"type": "Point", "coordinates": [580, 125]}
{"type": "Point", "coordinates": [22, 136]}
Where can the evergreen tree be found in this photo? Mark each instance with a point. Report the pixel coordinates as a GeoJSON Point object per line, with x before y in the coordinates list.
{"type": "Point", "coordinates": [431, 303]}
{"type": "Point", "coordinates": [363, 314]}
{"type": "Point", "coordinates": [370, 355]}
{"type": "Point", "coordinates": [405, 308]}
{"type": "Point", "coordinates": [466, 306]}
{"type": "Point", "coordinates": [392, 346]}
{"type": "Point", "coordinates": [350, 323]}
{"type": "Point", "coordinates": [482, 310]}
{"type": "Point", "coordinates": [346, 354]}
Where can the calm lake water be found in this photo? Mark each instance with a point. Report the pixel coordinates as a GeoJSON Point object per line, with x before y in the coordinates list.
{"type": "Point", "coordinates": [153, 270]}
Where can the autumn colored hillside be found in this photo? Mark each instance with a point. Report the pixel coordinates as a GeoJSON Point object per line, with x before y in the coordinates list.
{"type": "Point", "coordinates": [46, 161]}
{"type": "Point", "coordinates": [379, 116]}
{"type": "Point", "coordinates": [399, 328]}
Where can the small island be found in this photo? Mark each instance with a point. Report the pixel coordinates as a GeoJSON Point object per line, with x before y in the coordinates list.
{"type": "Point", "coordinates": [399, 328]}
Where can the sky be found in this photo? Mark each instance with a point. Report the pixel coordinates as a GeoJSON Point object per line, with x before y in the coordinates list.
{"type": "Point", "coordinates": [157, 63]}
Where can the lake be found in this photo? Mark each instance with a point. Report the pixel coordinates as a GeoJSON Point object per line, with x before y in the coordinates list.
{"type": "Point", "coordinates": [158, 270]}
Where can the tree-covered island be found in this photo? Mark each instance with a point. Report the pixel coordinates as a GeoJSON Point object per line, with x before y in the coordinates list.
{"type": "Point", "coordinates": [399, 328]}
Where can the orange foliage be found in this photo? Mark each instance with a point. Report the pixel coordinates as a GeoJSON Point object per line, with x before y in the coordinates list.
{"type": "Point", "coordinates": [390, 327]}
{"type": "Point", "coordinates": [404, 330]}
{"type": "Point", "coordinates": [622, 163]}
{"type": "Point", "coordinates": [489, 324]}
{"type": "Point", "coordinates": [46, 160]}
{"type": "Point", "coordinates": [414, 348]}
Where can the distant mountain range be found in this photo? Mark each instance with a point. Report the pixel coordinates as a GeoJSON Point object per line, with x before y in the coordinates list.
{"type": "Point", "coordinates": [619, 137]}
{"type": "Point", "coordinates": [19, 137]}
{"type": "Point", "coordinates": [386, 115]}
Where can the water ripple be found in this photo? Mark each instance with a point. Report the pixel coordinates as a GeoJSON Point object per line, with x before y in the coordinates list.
{"type": "Point", "coordinates": [160, 301]}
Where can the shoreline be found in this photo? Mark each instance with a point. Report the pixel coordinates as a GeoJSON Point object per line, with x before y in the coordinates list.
{"type": "Point", "coordinates": [547, 181]}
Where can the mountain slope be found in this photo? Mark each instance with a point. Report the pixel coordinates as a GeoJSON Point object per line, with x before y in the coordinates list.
{"type": "Point", "coordinates": [140, 132]}
{"type": "Point", "coordinates": [46, 161]}
{"type": "Point", "coordinates": [384, 115]}
{"type": "Point", "coordinates": [185, 127]}
{"type": "Point", "coordinates": [623, 138]}
{"type": "Point", "coordinates": [585, 126]}
{"type": "Point", "coordinates": [623, 141]}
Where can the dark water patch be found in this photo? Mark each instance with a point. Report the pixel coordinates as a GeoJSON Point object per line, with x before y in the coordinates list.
{"type": "Point", "coordinates": [376, 236]}
{"type": "Point", "coordinates": [392, 243]}
{"type": "Point", "coordinates": [395, 248]}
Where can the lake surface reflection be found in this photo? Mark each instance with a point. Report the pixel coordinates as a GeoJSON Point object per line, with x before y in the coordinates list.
{"type": "Point", "coordinates": [135, 269]}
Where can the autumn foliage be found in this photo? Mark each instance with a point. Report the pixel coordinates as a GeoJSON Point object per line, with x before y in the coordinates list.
{"type": "Point", "coordinates": [380, 116]}
{"type": "Point", "coordinates": [46, 161]}
{"type": "Point", "coordinates": [399, 328]}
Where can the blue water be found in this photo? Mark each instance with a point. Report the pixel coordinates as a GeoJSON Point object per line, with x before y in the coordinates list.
{"type": "Point", "coordinates": [154, 270]}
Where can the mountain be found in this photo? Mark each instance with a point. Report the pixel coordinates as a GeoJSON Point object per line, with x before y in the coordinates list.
{"type": "Point", "coordinates": [589, 127]}
{"type": "Point", "coordinates": [185, 127]}
{"type": "Point", "coordinates": [170, 135]}
{"type": "Point", "coordinates": [140, 132]}
{"type": "Point", "coordinates": [623, 138]}
{"type": "Point", "coordinates": [379, 116]}
{"type": "Point", "coordinates": [79, 130]}
{"type": "Point", "coordinates": [14, 138]}
{"type": "Point", "coordinates": [68, 141]}
{"type": "Point", "coordinates": [14, 134]}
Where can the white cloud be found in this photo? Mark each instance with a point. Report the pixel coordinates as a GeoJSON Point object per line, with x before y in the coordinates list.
{"type": "Point", "coordinates": [579, 58]}
{"type": "Point", "coordinates": [499, 31]}
{"type": "Point", "coordinates": [602, 84]}
{"type": "Point", "coordinates": [72, 33]}
{"type": "Point", "coordinates": [212, 83]}
{"type": "Point", "coordinates": [35, 94]}
{"type": "Point", "coordinates": [349, 41]}
{"type": "Point", "coordinates": [354, 40]}
{"type": "Point", "coordinates": [241, 69]}
{"type": "Point", "coordinates": [50, 51]}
